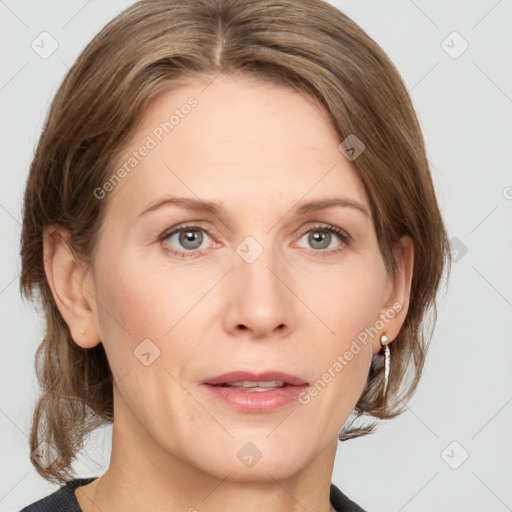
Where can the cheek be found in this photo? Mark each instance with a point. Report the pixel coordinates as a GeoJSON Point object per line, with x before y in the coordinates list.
{"type": "Point", "coordinates": [350, 300]}
{"type": "Point", "coordinates": [138, 301]}
{"type": "Point", "coordinates": [127, 305]}
{"type": "Point", "coordinates": [351, 310]}
{"type": "Point", "coordinates": [132, 307]}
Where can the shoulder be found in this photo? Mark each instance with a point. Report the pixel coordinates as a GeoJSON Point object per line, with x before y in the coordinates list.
{"type": "Point", "coordinates": [343, 503]}
{"type": "Point", "coordinates": [62, 500]}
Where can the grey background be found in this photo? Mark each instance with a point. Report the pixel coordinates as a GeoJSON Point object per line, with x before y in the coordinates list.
{"type": "Point", "coordinates": [463, 405]}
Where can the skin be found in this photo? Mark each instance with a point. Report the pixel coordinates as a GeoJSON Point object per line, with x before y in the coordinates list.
{"type": "Point", "coordinates": [259, 150]}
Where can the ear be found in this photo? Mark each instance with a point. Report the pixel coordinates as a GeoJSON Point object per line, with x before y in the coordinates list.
{"type": "Point", "coordinates": [72, 287]}
{"type": "Point", "coordinates": [397, 293]}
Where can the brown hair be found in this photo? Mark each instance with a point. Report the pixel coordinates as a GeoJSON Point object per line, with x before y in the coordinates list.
{"type": "Point", "coordinates": [150, 48]}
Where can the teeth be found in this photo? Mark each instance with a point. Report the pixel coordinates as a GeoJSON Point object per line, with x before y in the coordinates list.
{"type": "Point", "coordinates": [260, 384]}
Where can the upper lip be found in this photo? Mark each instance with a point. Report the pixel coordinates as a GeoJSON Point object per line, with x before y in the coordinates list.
{"type": "Point", "coordinates": [256, 377]}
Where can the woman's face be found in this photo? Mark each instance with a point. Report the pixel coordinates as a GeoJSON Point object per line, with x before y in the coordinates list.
{"type": "Point", "coordinates": [259, 283]}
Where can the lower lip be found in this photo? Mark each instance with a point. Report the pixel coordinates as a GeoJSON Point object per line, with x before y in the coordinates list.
{"type": "Point", "coordinates": [256, 401]}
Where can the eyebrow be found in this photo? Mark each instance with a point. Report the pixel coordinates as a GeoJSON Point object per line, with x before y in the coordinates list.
{"type": "Point", "coordinates": [216, 208]}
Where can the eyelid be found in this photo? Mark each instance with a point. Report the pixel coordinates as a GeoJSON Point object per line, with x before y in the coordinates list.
{"type": "Point", "coordinates": [327, 227]}
{"type": "Point", "coordinates": [192, 226]}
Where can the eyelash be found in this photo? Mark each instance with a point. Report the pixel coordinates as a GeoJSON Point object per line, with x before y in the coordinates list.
{"type": "Point", "coordinates": [344, 237]}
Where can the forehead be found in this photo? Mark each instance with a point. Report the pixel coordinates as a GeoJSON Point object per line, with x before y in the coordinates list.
{"type": "Point", "coordinates": [234, 140]}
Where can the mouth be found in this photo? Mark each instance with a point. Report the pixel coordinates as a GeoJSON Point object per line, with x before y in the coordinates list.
{"type": "Point", "coordinates": [250, 386]}
{"type": "Point", "coordinates": [255, 392]}
{"type": "Point", "coordinates": [248, 381]}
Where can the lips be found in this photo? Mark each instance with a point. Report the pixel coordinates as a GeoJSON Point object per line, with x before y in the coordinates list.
{"type": "Point", "coordinates": [249, 377]}
{"type": "Point", "coordinates": [250, 392]}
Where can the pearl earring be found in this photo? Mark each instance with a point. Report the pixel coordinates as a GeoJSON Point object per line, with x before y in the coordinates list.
{"type": "Point", "coordinates": [384, 341]}
{"type": "Point", "coordinates": [82, 331]}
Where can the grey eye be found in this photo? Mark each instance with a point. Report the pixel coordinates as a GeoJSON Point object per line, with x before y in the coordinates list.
{"type": "Point", "coordinates": [188, 239]}
{"type": "Point", "coordinates": [319, 239]}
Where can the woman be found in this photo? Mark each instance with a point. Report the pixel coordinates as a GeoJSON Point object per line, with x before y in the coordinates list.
{"type": "Point", "coordinates": [232, 225]}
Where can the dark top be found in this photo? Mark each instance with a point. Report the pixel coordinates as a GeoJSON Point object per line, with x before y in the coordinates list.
{"type": "Point", "coordinates": [64, 500]}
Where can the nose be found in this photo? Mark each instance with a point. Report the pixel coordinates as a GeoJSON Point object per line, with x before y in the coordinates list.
{"type": "Point", "coordinates": [259, 302]}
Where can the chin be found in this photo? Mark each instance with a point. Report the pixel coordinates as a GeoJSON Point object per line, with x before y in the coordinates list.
{"type": "Point", "coordinates": [257, 460]}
